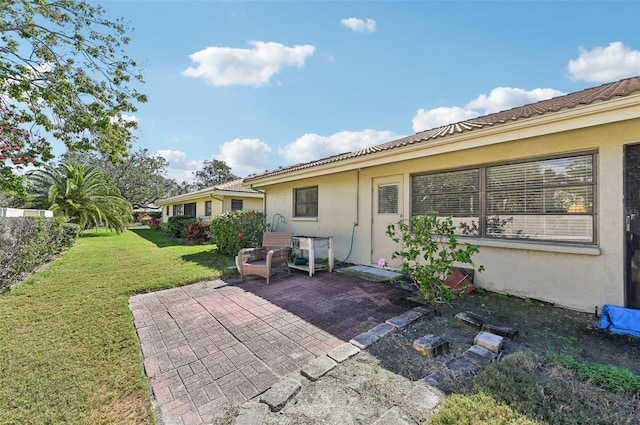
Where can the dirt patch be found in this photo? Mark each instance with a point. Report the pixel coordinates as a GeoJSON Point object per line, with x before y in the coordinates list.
{"type": "Point", "coordinates": [385, 375]}
{"type": "Point", "coordinates": [542, 330]}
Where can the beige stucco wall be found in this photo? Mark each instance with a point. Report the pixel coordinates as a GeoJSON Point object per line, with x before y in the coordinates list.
{"type": "Point", "coordinates": [578, 277]}
{"type": "Point", "coordinates": [219, 205]}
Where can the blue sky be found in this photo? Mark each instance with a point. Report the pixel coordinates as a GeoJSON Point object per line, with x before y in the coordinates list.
{"type": "Point", "coordinates": [275, 83]}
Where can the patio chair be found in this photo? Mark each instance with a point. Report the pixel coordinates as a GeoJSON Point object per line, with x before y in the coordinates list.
{"type": "Point", "coordinates": [272, 257]}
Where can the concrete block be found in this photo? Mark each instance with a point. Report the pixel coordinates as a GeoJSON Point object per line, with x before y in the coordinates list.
{"type": "Point", "coordinates": [279, 394]}
{"type": "Point", "coordinates": [470, 319]}
{"type": "Point", "coordinates": [318, 367]}
{"type": "Point", "coordinates": [343, 352]}
{"type": "Point", "coordinates": [463, 364]}
{"type": "Point", "coordinates": [504, 331]}
{"type": "Point", "coordinates": [431, 346]}
{"type": "Point", "coordinates": [405, 318]}
{"type": "Point", "coordinates": [383, 329]}
{"type": "Point", "coordinates": [481, 354]}
{"type": "Point", "coordinates": [364, 340]}
{"type": "Point", "coordinates": [491, 342]}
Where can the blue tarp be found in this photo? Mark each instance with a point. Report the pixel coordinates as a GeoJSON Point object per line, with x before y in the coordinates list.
{"type": "Point", "coordinates": [620, 320]}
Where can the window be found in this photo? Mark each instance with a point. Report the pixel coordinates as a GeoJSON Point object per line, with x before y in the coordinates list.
{"type": "Point", "coordinates": [167, 210]}
{"type": "Point", "coordinates": [388, 199]}
{"type": "Point", "coordinates": [207, 208]}
{"type": "Point", "coordinates": [190, 209]}
{"type": "Point", "coordinates": [177, 209]}
{"type": "Point", "coordinates": [546, 199]}
{"type": "Point", "coordinates": [306, 202]}
{"type": "Point", "coordinates": [236, 204]}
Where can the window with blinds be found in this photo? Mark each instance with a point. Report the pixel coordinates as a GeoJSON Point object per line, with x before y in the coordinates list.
{"type": "Point", "coordinates": [546, 199]}
{"type": "Point", "coordinates": [388, 199]}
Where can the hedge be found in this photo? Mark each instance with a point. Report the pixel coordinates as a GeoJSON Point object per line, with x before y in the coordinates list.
{"type": "Point", "coordinates": [29, 242]}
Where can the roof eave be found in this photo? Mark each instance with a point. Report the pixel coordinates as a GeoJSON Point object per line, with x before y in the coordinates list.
{"type": "Point", "coordinates": [609, 111]}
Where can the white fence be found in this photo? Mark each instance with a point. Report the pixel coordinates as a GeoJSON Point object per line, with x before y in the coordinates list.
{"type": "Point", "coordinates": [17, 212]}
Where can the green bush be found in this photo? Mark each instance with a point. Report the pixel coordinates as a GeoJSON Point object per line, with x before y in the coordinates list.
{"type": "Point", "coordinates": [28, 242]}
{"type": "Point", "coordinates": [235, 230]}
{"type": "Point", "coordinates": [178, 225]}
{"type": "Point", "coordinates": [429, 249]}
{"type": "Point", "coordinates": [199, 232]}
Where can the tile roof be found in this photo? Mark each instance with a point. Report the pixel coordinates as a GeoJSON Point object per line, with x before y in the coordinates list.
{"type": "Point", "coordinates": [232, 186]}
{"type": "Point", "coordinates": [622, 88]}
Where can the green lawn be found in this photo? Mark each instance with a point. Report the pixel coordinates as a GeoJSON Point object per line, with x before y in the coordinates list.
{"type": "Point", "coordinates": [68, 349]}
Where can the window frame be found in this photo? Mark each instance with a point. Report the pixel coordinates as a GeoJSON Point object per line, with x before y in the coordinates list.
{"type": "Point", "coordinates": [235, 208]}
{"type": "Point", "coordinates": [296, 192]}
{"type": "Point", "coordinates": [483, 193]}
{"type": "Point", "coordinates": [190, 206]}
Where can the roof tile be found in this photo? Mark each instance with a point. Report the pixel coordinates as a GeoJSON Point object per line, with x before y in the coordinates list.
{"type": "Point", "coordinates": [588, 96]}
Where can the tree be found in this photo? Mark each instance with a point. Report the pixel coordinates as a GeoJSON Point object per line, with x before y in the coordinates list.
{"type": "Point", "coordinates": [140, 178]}
{"type": "Point", "coordinates": [81, 194]}
{"type": "Point", "coordinates": [213, 172]}
{"type": "Point", "coordinates": [63, 74]}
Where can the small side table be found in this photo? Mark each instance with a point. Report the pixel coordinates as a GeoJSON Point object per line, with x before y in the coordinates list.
{"type": "Point", "coordinates": [311, 244]}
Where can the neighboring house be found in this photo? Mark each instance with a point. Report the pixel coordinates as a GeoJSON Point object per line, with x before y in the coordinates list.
{"type": "Point", "coordinates": [549, 191]}
{"type": "Point", "coordinates": [17, 212]}
{"type": "Point", "coordinates": [212, 201]}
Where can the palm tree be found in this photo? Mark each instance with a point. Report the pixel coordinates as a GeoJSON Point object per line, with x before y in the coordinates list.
{"type": "Point", "coordinates": [81, 194]}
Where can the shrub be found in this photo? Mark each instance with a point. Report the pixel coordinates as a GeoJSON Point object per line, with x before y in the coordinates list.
{"type": "Point", "coordinates": [178, 225]}
{"type": "Point", "coordinates": [28, 242]}
{"type": "Point", "coordinates": [430, 247]}
{"type": "Point", "coordinates": [199, 232]}
{"type": "Point", "coordinates": [235, 230]}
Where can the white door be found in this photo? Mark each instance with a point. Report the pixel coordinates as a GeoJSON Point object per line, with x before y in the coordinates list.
{"type": "Point", "coordinates": [386, 209]}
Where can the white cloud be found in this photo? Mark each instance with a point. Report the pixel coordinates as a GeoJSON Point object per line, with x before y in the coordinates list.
{"type": "Point", "coordinates": [124, 118]}
{"type": "Point", "coordinates": [180, 168]}
{"type": "Point", "coordinates": [605, 64]}
{"type": "Point", "coordinates": [426, 119]}
{"type": "Point", "coordinates": [227, 66]}
{"type": "Point", "coordinates": [503, 98]}
{"type": "Point", "coordinates": [500, 99]}
{"type": "Point", "coordinates": [313, 146]}
{"type": "Point", "coordinates": [359, 25]}
{"type": "Point", "coordinates": [245, 156]}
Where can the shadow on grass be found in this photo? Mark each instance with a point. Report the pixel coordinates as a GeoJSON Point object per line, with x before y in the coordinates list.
{"type": "Point", "coordinates": [208, 257]}
{"type": "Point", "coordinates": [159, 238]}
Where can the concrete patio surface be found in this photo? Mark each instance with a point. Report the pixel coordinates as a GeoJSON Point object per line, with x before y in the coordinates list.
{"type": "Point", "coordinates": [212, 344]}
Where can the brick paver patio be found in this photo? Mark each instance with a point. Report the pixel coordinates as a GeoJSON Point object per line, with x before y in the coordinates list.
{"type": "Point", "coordinates": [212, 344]}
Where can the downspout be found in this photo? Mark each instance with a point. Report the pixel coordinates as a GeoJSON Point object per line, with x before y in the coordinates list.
{"type": "Point", "coordinates": [264, 200]}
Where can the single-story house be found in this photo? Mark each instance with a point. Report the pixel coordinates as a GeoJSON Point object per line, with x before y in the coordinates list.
{"type": "Point", "coordinates": [211, 201]}
{"type": "Point", "coordinates": [549, 191]}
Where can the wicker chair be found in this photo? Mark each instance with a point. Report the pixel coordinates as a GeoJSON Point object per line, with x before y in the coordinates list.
{"type": "Point", "coordinates": [271, 258]}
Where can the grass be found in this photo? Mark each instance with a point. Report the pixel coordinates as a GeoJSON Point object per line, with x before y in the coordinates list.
{"type": "Point", "coordinates": [69, 350]}
{"type": "Point", "coordinates": [526, 389]}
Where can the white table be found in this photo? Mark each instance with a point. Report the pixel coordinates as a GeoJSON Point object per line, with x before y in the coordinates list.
{"type": "Point", "coordinates": [312, 244]}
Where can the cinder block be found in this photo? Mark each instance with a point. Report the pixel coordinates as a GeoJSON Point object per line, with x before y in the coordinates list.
{"type": "Point", "coordinates": [431, 346]}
